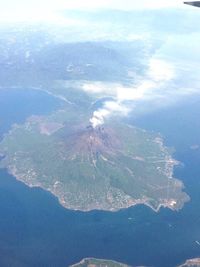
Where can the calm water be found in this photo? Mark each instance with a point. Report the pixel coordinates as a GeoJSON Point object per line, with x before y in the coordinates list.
{"type": "Point", "coordinates": [17, 104]}
{"type": "Point", "coordinates": [36, 231]}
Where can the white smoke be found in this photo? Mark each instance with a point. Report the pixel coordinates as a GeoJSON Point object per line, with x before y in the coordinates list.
{"type": "Point", "coordinates": [109, 108]}
{"type": "Point", "coordinates": [158, 74]}
{"type": "Point", "coordinates": [98, 117]}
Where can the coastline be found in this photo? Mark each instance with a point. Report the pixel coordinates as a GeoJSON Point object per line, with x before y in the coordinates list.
{"type": "Point", "coordinates": [100, 263]}
{"type": "Point", "coordinates": [64, 204]}
{"type": "Point", "coordinates": [173, 203]}
{"type": "Point", "coordinates": [191, 263]}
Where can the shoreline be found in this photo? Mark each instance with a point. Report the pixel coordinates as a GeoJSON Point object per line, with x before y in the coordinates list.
{"type": "Point", "coordinates": [83, 261]}
{"type": "Point", "coordinates": [137, 201]}
{"type": "Point", "coordinates": [129, 201]}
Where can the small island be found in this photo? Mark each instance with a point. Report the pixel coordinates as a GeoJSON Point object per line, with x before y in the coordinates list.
{"type": "Point", "coordinates": [91, 262]}
{"type": "Point", "coordinates": [108, 167]}
{"type": "Point", "coordinates": [191, 263]}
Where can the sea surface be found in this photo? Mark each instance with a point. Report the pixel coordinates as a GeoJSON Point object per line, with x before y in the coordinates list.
{"type": "Point", "coordinates": [35, 230]}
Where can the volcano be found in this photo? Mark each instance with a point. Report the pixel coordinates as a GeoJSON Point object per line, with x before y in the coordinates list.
{"type": "Point", "coordinates": [108, 167]}
{"type": "Point", "coordinates": [92, 142]}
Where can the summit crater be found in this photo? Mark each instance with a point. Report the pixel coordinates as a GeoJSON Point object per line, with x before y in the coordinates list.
{"type": "Point", "coordinates": [109, 167]}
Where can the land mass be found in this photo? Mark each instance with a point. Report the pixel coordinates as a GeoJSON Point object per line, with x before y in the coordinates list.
{"type": "Point", "coordinates": [109, 167]}
{"type": "Point", "coordinates": [91, 262]}
{"type": "Point", "coordinates": [191, 263]}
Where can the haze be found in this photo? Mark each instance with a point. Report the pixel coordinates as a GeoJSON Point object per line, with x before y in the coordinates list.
{"type": "Point", "coordinates": [20, 10]}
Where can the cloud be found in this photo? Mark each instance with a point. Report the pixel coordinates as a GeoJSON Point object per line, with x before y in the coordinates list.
{"type": "Point", "coordinates": [48, 10]}
{"type": "Point", "coordinates": [158, 74]}
{"type": "Point", "coordinates": [160, 70]}
{"type": "Point", "coordinates": [122, 4]}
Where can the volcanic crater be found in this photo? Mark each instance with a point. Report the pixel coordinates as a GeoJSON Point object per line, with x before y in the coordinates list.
{"type": "Point", "coordinates": [92, 141]}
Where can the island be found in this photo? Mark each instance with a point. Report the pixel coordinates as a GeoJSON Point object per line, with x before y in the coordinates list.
{"type": "Point", "coordinates": [106, 167]}
{"type": "Point", "coordinates": [91, 262]}
{"type": "Point", "coordinates": [191, 263]}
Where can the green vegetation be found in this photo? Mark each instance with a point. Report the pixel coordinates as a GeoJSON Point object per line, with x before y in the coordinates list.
{"type": "Point", "coordinates": [108, 168]}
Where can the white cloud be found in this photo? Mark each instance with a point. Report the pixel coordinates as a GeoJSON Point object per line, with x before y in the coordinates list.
{"type": "Point", "coordinates": [134, 93]}
{"type": "Point", "coordinates": [98, 88]}
{"type": "Point", "coordinates": [160, 70]}
{"type": "Point", "coordinates": [158, 74]}
{"type": "Point", "coordinates": [121, 4]}
{"type": "Point", "coordinates": [34, 10]}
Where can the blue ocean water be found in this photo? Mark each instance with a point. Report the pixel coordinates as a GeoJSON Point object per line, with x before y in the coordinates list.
{"type": "Point", "coordinates": [18, 104]}
{"type": "Point", "coordinates": [36, 231]}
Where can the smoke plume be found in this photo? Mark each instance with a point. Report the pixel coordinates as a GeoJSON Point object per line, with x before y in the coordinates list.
{"type": "Point", "coordinates": [109, 108]}
{"type": "Point", "coordinates": [157, 76]}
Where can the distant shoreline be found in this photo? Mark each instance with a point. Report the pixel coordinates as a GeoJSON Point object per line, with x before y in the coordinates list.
{"type": "Point", "coordinates": [137, 202]}
{"type": "Point", "coordinates": [94, 262]}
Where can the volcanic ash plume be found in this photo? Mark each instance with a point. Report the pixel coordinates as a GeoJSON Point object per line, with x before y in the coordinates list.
{"type": "Point", "coordinates": [110, 107]}
{"type": "Point", "coordinates": [152, 86]}
{"type": "Point", "coordinates": [98, 117]}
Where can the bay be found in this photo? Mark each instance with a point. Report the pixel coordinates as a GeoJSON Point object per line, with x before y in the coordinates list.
{"type": "Point", "coordinates": [35, 230]}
